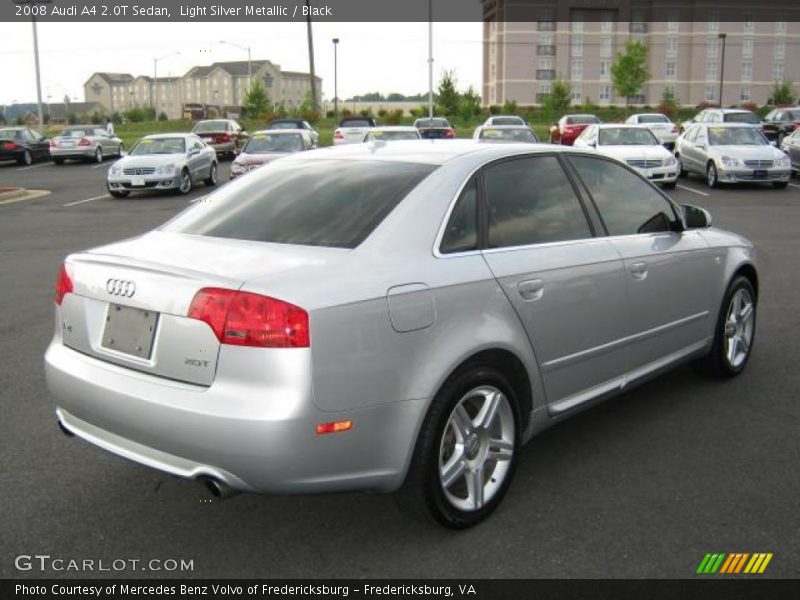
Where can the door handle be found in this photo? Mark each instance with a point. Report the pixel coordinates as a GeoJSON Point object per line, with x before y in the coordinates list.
{"type": "Point", "coordinates": [531, 289]}
{"type": "Point", "coordinates": [639, 271]}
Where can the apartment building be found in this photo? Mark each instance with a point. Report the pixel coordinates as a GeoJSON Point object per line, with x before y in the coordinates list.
{"type": "Point", "coordinates": [223, 84]}
{"type": "Point", "coordinates": [578, 42]}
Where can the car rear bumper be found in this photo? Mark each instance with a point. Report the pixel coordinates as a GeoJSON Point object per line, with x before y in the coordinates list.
{"type": "Point", "coordinates": [78, 152]}
{"type": "Point", "coordinates": [11, 154]}
{"type": "Point", "coordinates": [223, 147]}
{"type": "Point", "coordinates": [250, 437]}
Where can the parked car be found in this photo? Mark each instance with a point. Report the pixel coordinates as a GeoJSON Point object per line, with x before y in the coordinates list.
{"type": "Point", "coordinates": [225, 136]}
{"type": "Point", "coordinates": [270, 144]}
{"type": "Point", "coordinates": [84, 142]}
{"type": "Point", "coordinates": [23, 145]}
{"type": "Point", "coordinates": [167, 161]}
{"type": "Point", "coordinates": [290, 123]}
{"type": "Point", "coordinates": [351, 130]}
{"type": "Point", "coordinates": [569, 127]}
{"type": "Point", "coordinates": [505, 134]}
{"type": "Point", "coordinates": [635, 145]}
{"type": "Point", "coordinates": [334, 321]}
{"type": "Point", "coordinates": [662, 127]}
{"type": "Point", "coordinates": [731, 153]}
{"type": "Point", "coordinates": [504, 120]}
{"type": "Point", "coordinates": [392, 133]}
{"type": "Point", "coordinates": [780, 122]}
{"type": "Point", "coordinates": [791, 146]}
{"type": "Point", "coordinates": [725, 115]}
{"type": "Point", "coordinates": [435, 128]}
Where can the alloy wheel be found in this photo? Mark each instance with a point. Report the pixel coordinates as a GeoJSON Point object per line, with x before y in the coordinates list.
{"type": "Point", "coordinates": [739, 328]}
{"type": "Point", "coordinates": [186, 183]}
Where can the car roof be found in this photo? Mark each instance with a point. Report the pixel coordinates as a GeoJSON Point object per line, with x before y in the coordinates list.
{"type": "Point", "coordinates": [279, 132]}
{"type": "Point", "coordinates": [619, 125]}
{"type": "Point", "coordinates": [286, 120]}
{"type": "Point", "coordinates": [580, 115]}
{"type": "Point", "coordinates": [394, 128]}
{"type": "Point", "coordinates": [727, 124]}
{"type": "Point", "coordinates": [505, 127]}
{"type": "Point", "coordinates": [506, 117]}
{"type": "Point", "coordinates": [164, 136]}
{"type": "Point", "coordinates": [433, 152]}
{"type": "Point", "coordinates": [727, 111]}
{"type": "Point", "coordinates": [650, 114]}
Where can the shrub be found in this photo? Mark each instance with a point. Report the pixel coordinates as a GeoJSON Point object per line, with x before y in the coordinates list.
{"type": "Point", "coordinates": [751, 106]}
{"type": "Point", "coordinates": [96, 118]}
{"type": "Point", "coordinates": [310, 115]}
{"type": "Point", "coordinates": [704, 105]}
{"type": "Point", "coordinates": [382, 113]}
{"type": "Point", "coordinates": [365, 112]}
{"type": "Point", "coordinates": [346, 112]}
{"type": "Point", "coordinates": [494, 109]}
{"type": "Point", "coordinates": [162, 116]}
{"type": "Point", "coordinates": [116, 118]}
{"type": "Point", "coordinates": [510, 107]}
{"type": "Point", "coordinates": [394, 117]}
{"type": "Point", "coordinates": [72, 119]}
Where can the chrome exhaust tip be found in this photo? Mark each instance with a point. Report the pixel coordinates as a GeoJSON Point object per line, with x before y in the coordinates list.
{"type": "Point", "coordinates": [217, 489]}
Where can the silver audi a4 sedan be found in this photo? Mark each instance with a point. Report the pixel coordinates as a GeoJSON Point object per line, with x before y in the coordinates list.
{"type": "Point", "coordinates": [389, 318]}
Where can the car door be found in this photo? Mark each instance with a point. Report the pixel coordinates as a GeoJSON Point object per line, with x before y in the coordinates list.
{"type": "Point", "coordinates": [670, 274]}
{"type": "Point", "coordinates": [794, 149]}
{"type": "Point", "coordinates": [566, 285]}
{"type": "Point", "coordinates": [693, 150]}
{"type": "Point", "coordinates": [199, 159]}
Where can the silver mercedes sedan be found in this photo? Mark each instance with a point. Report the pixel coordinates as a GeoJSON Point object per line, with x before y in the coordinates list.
{"type": "Point", "coordinates": [400, 317]}
{"type": "Point", "coordinates": [167, 161]}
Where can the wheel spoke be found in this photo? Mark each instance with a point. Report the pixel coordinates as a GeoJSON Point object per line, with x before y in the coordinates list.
{"type": "Point", "coordinates": [488, 411]}
{"type": "Point", "coordinates": [746, 312]}
{"type": "Point", "coordinates": [454, 468]}
{"type": "Point", "coordinates": [475, 487]}
{"type": "Point", "coordinates": [500, 450]}
{"type": "Point", "coordinates": [733, 345]}
{"type": "Point", "coordinates": [744, 344]}
{"type": "Point", "coordinates": [461, 422]}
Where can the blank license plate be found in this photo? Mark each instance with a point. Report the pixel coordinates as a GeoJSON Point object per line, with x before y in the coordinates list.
{"type": "Point", "coordinates": [129, 330]}
{"type": "Point", "coordinates": [760, 174]}
{"type": "Point", "coordinates": [137, 181]}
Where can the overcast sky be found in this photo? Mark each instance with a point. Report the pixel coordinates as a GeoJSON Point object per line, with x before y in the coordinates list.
{"type": "Point", "coordinates": [385, 57]}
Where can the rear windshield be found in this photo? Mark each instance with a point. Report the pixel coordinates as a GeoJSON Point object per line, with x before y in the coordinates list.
{"type": "Point", "coordinates": [331, 203]}
{"type": "Point", "coordinates": [582, 120]}
{"type": "Point", "coordinates": [508, 135]}
{"type": "Point", "coordinates": [356, 123]}
{"type": "Point", "coordinates": [443, 123]}
{"type": "Point", "coordinates": [76, 133]}
{"type": "Point", "coordinates": [393, 135]}
{"type": "Point", "coordinates": [507, 121]}
{"type": "Point", "coordinates": [744, 117]}
{"type": "Point", "coordinates": [207, 126]}
{"type": "Point", "coordinates": [261, 143]}
{"type": "Point", "coordinates": [653, 119]}
{"type": "Point", "coordinates": [285, 125]}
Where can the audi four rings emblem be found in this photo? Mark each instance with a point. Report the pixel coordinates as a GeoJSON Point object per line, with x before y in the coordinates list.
{"type": "Point", "coordinates": [120, 287]}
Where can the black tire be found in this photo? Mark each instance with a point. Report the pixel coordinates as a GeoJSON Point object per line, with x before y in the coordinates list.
{"type": "Point", "coordinates": [669, 185]}
{"type": "Point", "coordinates": [58, 161]}
{"type": "Point", "coordinates": [26, 158]}
{"type": "Point", "coordinates": [121, 151]}
{"type": "Point", "coordinates": [423, 494]}
{"type": "Point", "coordinates": [98, 155]}
{"type": "Point", "coordinates": [119, 193]}
{"type": "Point", "coordinates": [682, 173]}
{"type": "Point", "coordinates": [780, 185]}
{"type": "Point", "coordinates": [186, 183]}
{"type": "Point", "coordinates": [717, 362]}
{"type": "Point", "coordinates": [212, 175]}
{"type": "Point", "coordinates": [712, 177]}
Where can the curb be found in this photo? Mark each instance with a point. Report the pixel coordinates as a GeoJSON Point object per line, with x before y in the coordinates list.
{"type": "Point", "coordinates": [7, 193]}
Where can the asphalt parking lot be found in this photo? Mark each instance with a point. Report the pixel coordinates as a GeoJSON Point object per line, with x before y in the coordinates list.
{"type": "Point", "coordinates": [641, 486]}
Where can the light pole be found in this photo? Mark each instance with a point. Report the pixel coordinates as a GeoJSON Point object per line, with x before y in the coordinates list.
{"type": "Point", "coordinates": [249, 62]}
{"type": "Point", "coordinates": [335, 78]}
{"type": "Point", "coordinates": [430, 59]}
{"type": "Point", "coordinates": [38, 75]}
{"type": "Point", "coordinates": [722, 36]}
{"type": "Point", "coordinates": [313, 77]}
{"type": "Point", "coordinates": [155, 77]}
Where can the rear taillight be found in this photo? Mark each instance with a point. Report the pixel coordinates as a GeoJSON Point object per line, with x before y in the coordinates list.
{"type": "Point", "coordinates": [52, 143]}
{"type": "Point", "coordinates": [63, 284]}
{"type": "Point", "coordinates": [338, 135]}
{"type": "Point", "coordinates": [674, 129]}
{"type": "Point", "coordinates": [9, 146]}
{"type": "Point", "coordinates": [84, 142]}
{"type": "Point", "coordinates": [247, 319]}
{"type": "Point", "coordinates": [449, 133]}
{"type": "Point", "coordinates": [223, 137]}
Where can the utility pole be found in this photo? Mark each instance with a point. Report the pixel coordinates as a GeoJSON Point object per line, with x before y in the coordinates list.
{"type": "Point", "coordinates": [430, 59]}
{"type": "Point", "coordinates": [311, 57]}
{"type": "Point", "coordinates": [38, 74]}
{"type": "Point", "coordinates": [722, 36]}
{"type": "Point", "coordinates": [335, 78]}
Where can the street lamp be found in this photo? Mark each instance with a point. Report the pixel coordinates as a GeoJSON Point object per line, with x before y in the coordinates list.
{"type": "Point", "coordinates": [249, 61]}
{"type": "Point", "coordinates": [335, 79]}
{"type": "Point", "coordinates": [155, 76]}
{"type": "Point", "coordinates": [430, 59]}
{"type": "Point", "coordinates": [722, 36]}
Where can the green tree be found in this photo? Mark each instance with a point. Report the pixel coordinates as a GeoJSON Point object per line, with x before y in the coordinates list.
{"type": "Point", "coordinates": [669, 103]}
{"type": "Point", "coordinates": [448, 97]}
{"type": "Point", "coordinates": [470, 104]}
{"type": "Point", "coordinates": [256, 101]}
{"type": "Point", "coordinates": [558, 101]}
{"type": "Point", "coordinates": [783, 93]}
{"type": "Point", "coordinates": [629, 71]}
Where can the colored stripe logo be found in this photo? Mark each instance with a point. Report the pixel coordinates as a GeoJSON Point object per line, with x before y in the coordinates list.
{"type": "Point", "coordinates": [734, 563]}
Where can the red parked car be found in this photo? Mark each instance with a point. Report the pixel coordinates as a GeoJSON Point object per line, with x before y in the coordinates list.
{"type": "Point", "coordinates": [569, 127]}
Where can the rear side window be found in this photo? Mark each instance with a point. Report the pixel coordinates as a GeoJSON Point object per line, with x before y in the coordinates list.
{"type": "Point", "coordinates": [530, 201]}
{"type": "Point", "coordinates": [332, 203]}
{"type": "Point", "coordinates": [627, 203]}
{"type": "Point", "coordinates": [461, 233]}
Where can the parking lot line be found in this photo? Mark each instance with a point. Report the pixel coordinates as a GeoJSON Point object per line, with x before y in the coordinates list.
{"type": "Point", "coordinates": [688, 189]}
{"type": "Point", "coordinates": [106, 165]}
{"type": "Point", "coordinates": [87, 200]}
{"type": "Point", "coordinates": [794, 185]}
{"type": "Point", "coordinates": [44, 164]}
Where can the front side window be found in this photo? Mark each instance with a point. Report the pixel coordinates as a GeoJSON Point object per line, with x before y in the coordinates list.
{"type": "Point", "coordinates": [461, 233]}
{"type": "Point", "coordinates": [735, 136]}
{"type": "Point", "coordinates": [530, 201]}
{"type": "Point", "coordinates": [627, 203]}
{"type": "Point", "coordinates": [626, 136]}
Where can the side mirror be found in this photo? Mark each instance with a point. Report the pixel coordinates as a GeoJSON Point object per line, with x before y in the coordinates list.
{"type": "Point", "coordinates": [194, 151]}
{"type": "Point", "coordinates": [695, 217]}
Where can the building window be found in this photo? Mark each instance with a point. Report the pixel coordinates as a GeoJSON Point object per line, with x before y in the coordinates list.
{"type": "Point", "coordinates": [749, 24]}
{"type": "Point", "coordinates": [576, 69]}
{"type": "Point", "coordinates": [711, 91]}
{"type": "Point", "coordinates": [780, 49]}
{"type": "Point", "coordinates": [545, 88]}
{"type": "Point", "coordinates": [607, 24]}
{"type": "Point", "coordinates": [744, 94]}
{"type": "Point", "coordinates": [605, 94]}
{"type": "Point", "coordinates": [577, 45]}
{"type": "Point", "coordinates": [577, 22]}
{"type": "Point", "coordinates": [546, 26]}
{"type": "Point", "coordinates": [546, 63]}
{"type": "Point", "coordinates": [778, 71]}
{"type": "Point", "coordinates": [712, 47]}
{"type": "Point", "coordinates": [747, 71]}
{"type": "Point", "coordinates": [711, 70]}
{"type": "Point", "coordinates": [576, 94]}
{"type": "Point", "coordinates": [713, 24]}
{"type": "Point", "coordinates": [605, 70]}
{"type": "Point", "coordinates": [670, 71]}
{"type": "Point", "coordinates": [672, 24]}
{"type": "Point", "coordinates": [780, 26]}
{"type": "Point", "coordinates": [672, 47]}
{"type": "Point", "coordinates": [546, 39]}
{"type": "Point", "coordinates": [605, 47]}
{"type": "Point", "coordinates": [747, 48]}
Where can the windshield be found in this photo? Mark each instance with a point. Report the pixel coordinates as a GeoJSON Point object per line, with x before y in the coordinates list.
{"type": "Point", "coordinates": [208, 126]}
{"type": "Point", "coordinates": [653, 119]}
{"type": "Point", "coordinates": [393, 135]}
{"type": "Point", "coordinates": [75, 133]}
{"type": "Point", "coordinates": [743, 117]}
{"type": "Point", "coordinates": [159, 146]}
{"type": "Point", "coordinates": [433, 123]}
{"type": "Point", "coordinates": [735, 136]}
{"type": "Point", "coordinates": [331, 203]}
{"type": "Point", "coordinates": [356, 123]}
{"type": "Point", "coordinates": [582, 120]}
{"type": "Point", "coordinates": [262, 143]}
{"type": "Point", "coordinates": [285, 125]}
{"type": "Point", "coordinates": [507, 121]}
{"type": "Point", "coordinates": [626, 136]}
{"type": "Point", "coordinates": [508, 135]}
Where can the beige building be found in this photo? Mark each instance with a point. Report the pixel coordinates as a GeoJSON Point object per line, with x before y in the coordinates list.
{"type": "Point", "coordinates": [218, 84]}
{"type": "Point", "coordinates": [578, 41]}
